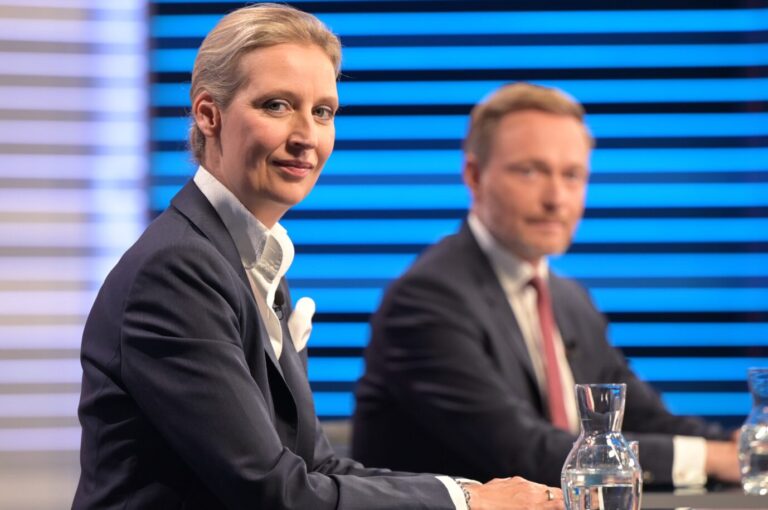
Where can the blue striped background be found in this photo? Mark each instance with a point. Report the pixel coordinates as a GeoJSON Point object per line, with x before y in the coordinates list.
{"type": "Point", "coordinates": [674, 245]}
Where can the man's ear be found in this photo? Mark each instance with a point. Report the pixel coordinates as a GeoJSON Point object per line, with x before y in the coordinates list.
{"type": "Point", "coordinates": [206, 114]}
{"type": "Point", "coordinates": [471, 173]}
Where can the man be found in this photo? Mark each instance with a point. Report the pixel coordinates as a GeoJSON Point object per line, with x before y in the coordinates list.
{"type": "Point", "coordinates": [475, 350]}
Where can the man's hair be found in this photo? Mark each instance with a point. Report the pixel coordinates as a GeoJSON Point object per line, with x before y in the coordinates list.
{"type": "Point", "coordinates": [486, 115]}
{"type": "Point", "coordinates": [217, 65]}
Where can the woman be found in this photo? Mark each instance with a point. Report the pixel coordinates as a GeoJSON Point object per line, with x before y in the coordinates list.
{"type": "Point", "coordinates": [194, 391]}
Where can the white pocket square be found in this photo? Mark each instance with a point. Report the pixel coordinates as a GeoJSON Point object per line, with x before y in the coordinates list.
{"type": "Point", "coordinates": [300, 322]}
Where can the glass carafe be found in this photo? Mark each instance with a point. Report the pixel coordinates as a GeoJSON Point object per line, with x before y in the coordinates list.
{"type": "Point", "coordinates": [601, 471]}
{"type": "Point", "coordinates": [753, 438]}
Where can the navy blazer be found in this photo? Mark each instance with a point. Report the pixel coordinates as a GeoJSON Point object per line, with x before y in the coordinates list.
{"type": "Point", "coordinates": [449, 385]}
{"type": "Point", "coordinates": [184, 404]}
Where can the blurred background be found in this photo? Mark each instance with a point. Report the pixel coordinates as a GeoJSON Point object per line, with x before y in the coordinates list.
{"type": "Point", "coordinates": [674, 245]}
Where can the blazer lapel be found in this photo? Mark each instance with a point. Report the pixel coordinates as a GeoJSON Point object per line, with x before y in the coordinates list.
{"type": "Point", "coordinates": [294, 371]}
{"type": "Point", "coordinates": [191, 202]}
{"type": "Point", "coordinates": [500, 313]}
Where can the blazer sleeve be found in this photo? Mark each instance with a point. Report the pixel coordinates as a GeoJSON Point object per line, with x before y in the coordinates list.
{"type": "Point", "coordinates": [646, 418]}
{"type": "Point", "coordinates": [183, 362]}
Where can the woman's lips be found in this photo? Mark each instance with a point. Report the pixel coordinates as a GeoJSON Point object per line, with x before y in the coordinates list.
{"type": "Point", "coordinates": [294, 167]}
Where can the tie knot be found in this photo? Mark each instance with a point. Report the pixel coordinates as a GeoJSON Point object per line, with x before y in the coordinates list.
{"type": "Point", "coordinates": [537, 283]}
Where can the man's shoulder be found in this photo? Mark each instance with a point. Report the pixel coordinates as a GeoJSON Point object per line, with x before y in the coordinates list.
{"type": "Point", "coordinates": [454, 250]}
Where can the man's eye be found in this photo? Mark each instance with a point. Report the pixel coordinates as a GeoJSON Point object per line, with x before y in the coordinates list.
{"type": "Point", "coordinates": [525, 171]}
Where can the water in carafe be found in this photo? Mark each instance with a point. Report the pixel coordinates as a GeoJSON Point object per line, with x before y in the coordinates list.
{"type": "Point", "coordinates": [601, 472]}
{"type": "Point", "coordinates": [753, 437]}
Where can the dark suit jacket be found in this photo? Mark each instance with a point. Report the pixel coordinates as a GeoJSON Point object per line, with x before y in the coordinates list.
{"type": "Point", "coordinates": [184, 404]}
{"type": "Point", "coordinates": [449, 384]}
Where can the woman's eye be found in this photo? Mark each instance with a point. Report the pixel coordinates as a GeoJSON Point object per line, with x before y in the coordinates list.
{"type": "Point", "coordinates": [324, 112]}
{"type": "Point", "coordinates": [276, 106]}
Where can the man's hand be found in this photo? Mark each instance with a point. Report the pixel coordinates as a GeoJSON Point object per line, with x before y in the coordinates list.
{"type": "Point", "coordinates": [514, 494]}
{"type": "Point", "coordinates": [723, 461]}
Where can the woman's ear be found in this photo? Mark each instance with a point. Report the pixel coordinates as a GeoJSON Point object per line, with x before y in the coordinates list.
{"type": "Point", "coordinates": [206, 114]}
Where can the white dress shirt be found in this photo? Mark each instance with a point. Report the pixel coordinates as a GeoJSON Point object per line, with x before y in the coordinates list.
{"type": "Point", "coordinates": [266, 255]}
{"type": "Point", "coordinates": [689, 453]}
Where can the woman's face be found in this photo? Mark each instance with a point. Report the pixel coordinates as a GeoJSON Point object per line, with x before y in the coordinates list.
{"type": "Point", "coordinates": [278, 131]}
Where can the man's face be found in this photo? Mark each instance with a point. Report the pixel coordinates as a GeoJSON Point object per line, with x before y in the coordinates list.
{"type": "Point", "coordinates": [530, 193]}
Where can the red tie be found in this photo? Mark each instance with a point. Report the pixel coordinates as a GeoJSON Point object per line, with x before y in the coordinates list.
{"type": "Point", "coordinates": [557, 414]}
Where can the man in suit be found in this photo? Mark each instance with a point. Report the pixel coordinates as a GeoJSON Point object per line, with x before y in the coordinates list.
{"type": "Point", "coordinates": [194, 390]}
{"type": "Point", "coordinates": [475, 350]}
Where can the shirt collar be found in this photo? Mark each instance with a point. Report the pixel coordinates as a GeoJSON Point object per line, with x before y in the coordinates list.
{"type": "Point", "coordinates": [267, 251]}
{"type": "Point", "coordinates": [514, 272]}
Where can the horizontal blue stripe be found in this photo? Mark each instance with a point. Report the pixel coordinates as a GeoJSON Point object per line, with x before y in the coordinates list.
{"type": "Point", "coordinates": [708, 404]}
{"type": "Point", "coordinates": [310, 265]}
{"type": "Point", "coordinates": [331, 403]}
{"type": "Point", "coordinates": [448, 162]}
{"type": "Point", "coordinates": [358, 300]}
{"type": "Point", "coordinates": [679, 300]}
{"type": "Point", "coordinates": [682, 403]}
{"type": "Point", "coordinates": [585, 91]}
{"type": "Point", "coordinates": [680, 160]}
{"type": "Point", "coordinates": [672, 265]}
{"type": "Point", "coordinates": [457, 23]}
{"type": "Point", "coordinates": [667, 265]}
{"type": "Point", "coordinates": [340, 334]}
{"type": "Point", "coordinates": [470, 92]}
{"type": "Point", "coordinates": [384, 196]}
{"type": "Point", "coordinates": [408, 231]}
{"type": "Point", "coordinates": [528, 57]}
{"type": "Point", "coordinates": [428, 127]}
{"type": "Point", "coordinates": [456, 196]}
{"type": "Point", "coordinates": [672, 230]}
{"type": "Point", "coordinates": [678, 195]}
{"type": "Point", "coordinates": [695, 369]}
{"type": "Point", "coordinates": [690, 334]}
{"type": "Point", "coordinates": [335, 369]}
{"type": "Point", "coordinates": [613, 300]}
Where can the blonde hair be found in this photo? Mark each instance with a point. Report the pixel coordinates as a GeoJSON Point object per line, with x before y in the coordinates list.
{"type": "Point", "coordinates": [486, 115]}
{"type": "Point", "coordinates": [217, 65]}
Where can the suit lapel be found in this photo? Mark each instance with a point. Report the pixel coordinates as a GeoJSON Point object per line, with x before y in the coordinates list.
{"type": "Point", "coordinates": [495, 301]}
{"type": "Point", "coordinates": [293, 370]}
{"type": "Point", "coordinates": [191, 202]}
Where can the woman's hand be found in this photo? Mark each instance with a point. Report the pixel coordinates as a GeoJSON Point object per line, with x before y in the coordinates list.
{"type": "Point", "coordinates": [514, 494]}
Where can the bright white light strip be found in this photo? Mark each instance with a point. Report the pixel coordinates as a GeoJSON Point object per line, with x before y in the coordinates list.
{"type": "Point", "coordinates": [122, 201]}
{"type": "Point", "coordinates": [110, 234]}
{"type": "Point", "coordinates": [48, 405]}
{"type": "Point", "coordinates": [78, 65]}
{"type": "Point", "coordinates": [112, 5]}
{"type": "Point", "coordinates": [56, 371]}
{"type": "Point", "coordinates": [31, 337]}
{"type": "Point", "coordinates": [33, 303]}
{"type": "Point", "coordinates": [40, 439]}
{"type": "Point", "coordinates": [101, 32]}
{"type": "Point", "coordinates": [41, 269]}
{"type": "Point", "coordinates": [102, 168]}
{"type": "Point", "coordinates": [124, 136]}
{"type": "Point", "coordinates": [123, 99]}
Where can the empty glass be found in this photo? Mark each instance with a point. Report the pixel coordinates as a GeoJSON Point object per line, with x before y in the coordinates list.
{"type": "Point", "coordinates": [753, 439]}
{"type": "Point", "coordinates": [601, 471]}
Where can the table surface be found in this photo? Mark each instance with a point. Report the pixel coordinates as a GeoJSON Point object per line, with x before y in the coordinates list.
{"type": "Point", "coordinates": [730, 498]}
